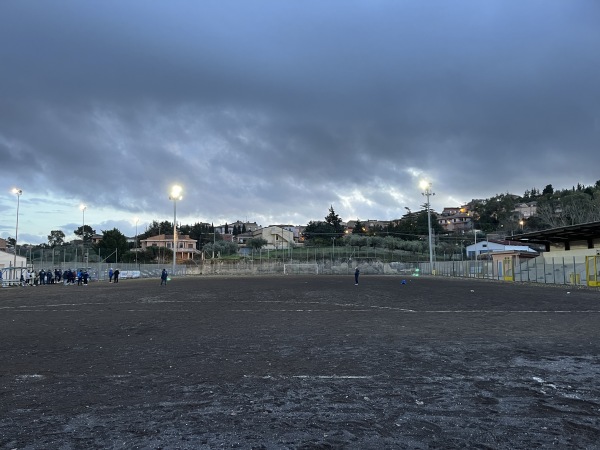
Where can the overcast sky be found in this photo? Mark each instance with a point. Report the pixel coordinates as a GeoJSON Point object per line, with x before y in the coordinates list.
{"type": "Point", "coordinates": [271, 111]}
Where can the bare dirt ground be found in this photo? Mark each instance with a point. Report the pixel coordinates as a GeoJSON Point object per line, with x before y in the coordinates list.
{"type": "Point", "coordinates": [299, 362]}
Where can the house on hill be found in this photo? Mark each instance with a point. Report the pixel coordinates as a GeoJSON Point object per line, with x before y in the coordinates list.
{"type": "Point", "coordinates": [455, 219]}
{"type": "Point", "coordinates": [248, 226]}
{"type": "Point", "coordinates": [186, 246]}
{"type": "Point", "coordinates": [456, 222]}
{"type": "Point", "coordinates": [277, 238]}
{"type": "Point", "coordinates": [526, 210]}
{"type": "Point", "coordinates": [296, 230]}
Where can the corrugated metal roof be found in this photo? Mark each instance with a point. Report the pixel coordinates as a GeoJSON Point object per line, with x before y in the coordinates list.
{"type": "Point", "coordinates": [569, 233]}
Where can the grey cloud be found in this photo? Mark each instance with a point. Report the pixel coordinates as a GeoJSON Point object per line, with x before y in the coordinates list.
{"type": "Point", "coordinates": [277, 109]}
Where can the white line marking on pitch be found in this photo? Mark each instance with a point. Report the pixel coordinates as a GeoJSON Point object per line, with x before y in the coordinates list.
{"type": "Point", "coordinates": [34, 376]}
{"type": "Point", "coordinates": [100, 310]}
{"type": "Point", "coordinates": [334, 377]}
{"type": "Point", "coordinates": [299, 310]}
{"type": "Point", "coordinates": [412, 311]}
{"type": "Point", "coordinates": [313, 377]}
{"type": "Point", "coordinates": [374, 308]}
{"type": "Point", "coordinates": [509, 311]}
{"type": "Point", "coordinates": [50, 305]}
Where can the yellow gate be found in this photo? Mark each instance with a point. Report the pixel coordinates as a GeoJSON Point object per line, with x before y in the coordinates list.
{"type": "Point", "coordinates": [592, 270]}
{"type": "Point", "coordinates": [508, 268]}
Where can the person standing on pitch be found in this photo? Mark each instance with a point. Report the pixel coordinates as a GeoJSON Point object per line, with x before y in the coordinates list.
{"type": "Point", "coordinates": [356, 274]}
{"type": "Point", "coordinates": [110, 275]}
{"type": "Point", "coordinates": [163, 277]}
{"type": "Point", "coordinates": [116, 275]}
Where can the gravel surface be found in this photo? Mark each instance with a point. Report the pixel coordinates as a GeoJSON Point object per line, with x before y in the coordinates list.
{"type": "Point", "coordinates": [299, 362]}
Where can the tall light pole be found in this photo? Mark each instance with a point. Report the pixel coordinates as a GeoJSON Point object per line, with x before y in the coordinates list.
{"type": "Point", "coordinates": [427, 187]}
{"type": "Point", "coordinates": [18, 193]}
{"type": "Point", "coordinates": [175, 195]}
{"type": "Point", "coordinates": [135, 242]}
{"type": "Point", "coordinates": [333, 248]}
{"type": "Point", "coordinates": [159, 247]}
{"type": "Point", "coordinates": [475, 239]}
{"type": "Point", "coordinates": [83, 207]}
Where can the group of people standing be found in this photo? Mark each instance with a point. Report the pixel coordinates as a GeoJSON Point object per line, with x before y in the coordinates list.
{"type": "Point", "coordinates": [70, 277]}
{"type": "Point", "coordinates": [82, 277]}
{"type": "Point", "coordinates": [36, 278]}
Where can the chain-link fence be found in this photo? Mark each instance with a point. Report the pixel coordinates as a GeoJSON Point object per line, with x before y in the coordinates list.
{"type": "Point", "coordinates": [565, 270]}
{"type": "Point", "coordinates": [336, 261]}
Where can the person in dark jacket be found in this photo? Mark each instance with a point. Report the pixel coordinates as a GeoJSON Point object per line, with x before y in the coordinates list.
{"type": "Point", "coordinates": [116, 275]}
{"type": "Point", "coordinates": [356, 274]}
{"type": "Point", "coordinates": [163, 277]}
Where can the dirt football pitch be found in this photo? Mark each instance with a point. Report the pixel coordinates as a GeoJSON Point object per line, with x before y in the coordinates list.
{"type": "Point", "coordinates": [300, 362]}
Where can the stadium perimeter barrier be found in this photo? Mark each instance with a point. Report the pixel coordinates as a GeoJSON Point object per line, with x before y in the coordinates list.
{"type": "Point", "coordinates": [560, 271]}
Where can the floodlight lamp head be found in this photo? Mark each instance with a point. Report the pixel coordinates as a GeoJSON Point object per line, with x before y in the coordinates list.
{"type": "Point", "coordinates": [176, 192]}
{"type": "Point", "coordinates": [82, 207]}
{"type": "Point", "coordinates": [17, 191]}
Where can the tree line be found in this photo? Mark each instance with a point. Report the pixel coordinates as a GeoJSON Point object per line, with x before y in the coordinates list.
{"type": "Point", "coordinates": [554, 208]}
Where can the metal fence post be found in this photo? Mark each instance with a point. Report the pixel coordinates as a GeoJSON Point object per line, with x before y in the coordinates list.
{"type": "Point", "coordinates": [545, 282]}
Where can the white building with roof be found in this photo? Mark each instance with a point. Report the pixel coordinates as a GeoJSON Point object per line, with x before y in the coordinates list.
{"type": "Point", "coordinates": [485, 247]}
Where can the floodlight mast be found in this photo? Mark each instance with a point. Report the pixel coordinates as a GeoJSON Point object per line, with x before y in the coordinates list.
{"type": "Point", "coordinates": [83, 207]}
{"type": "Point", "coordinates": [175, 195]}
{"type": "Point", "coordinates": [18, 192]}
{"type": "Point", "coordinates": [427, 187]}
{"type": "Point", "coordinates": [136, 239]}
